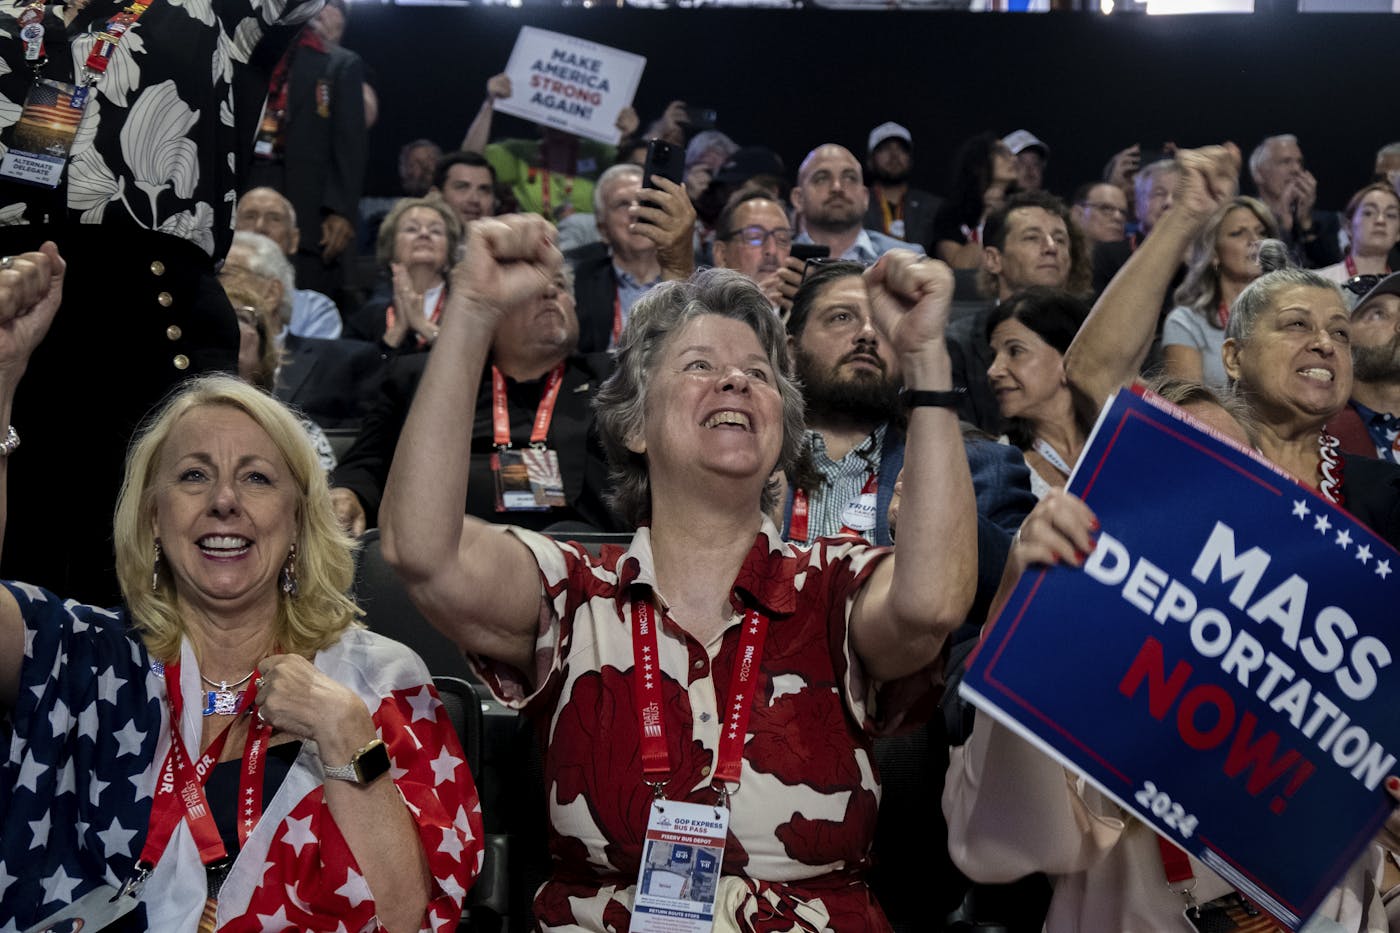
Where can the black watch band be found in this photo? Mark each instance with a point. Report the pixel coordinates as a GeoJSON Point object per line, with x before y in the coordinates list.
{"type": "Point", "coordinates": [919, 398]}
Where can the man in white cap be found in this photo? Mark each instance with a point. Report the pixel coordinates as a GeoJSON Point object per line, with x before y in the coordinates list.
{"type": "Point", "coordinates": [1369, 426]}
{"type": "Point", "coordinates": [895, 208]}
{"type": "Point", "coordinates": [1031, 155]}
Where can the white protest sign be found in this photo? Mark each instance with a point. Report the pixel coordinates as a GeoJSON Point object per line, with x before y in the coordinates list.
{"type": "Point", "coordinates": [570, 84]}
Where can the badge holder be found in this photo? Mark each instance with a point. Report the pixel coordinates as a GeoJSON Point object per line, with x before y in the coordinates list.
{"type": "Point", "coordinates": [546, 480]}
{"type": "Point", "coordinates": [678, 880]}
{"type": "Point", "coordinates": [95, 910]}
{"type": "Point", "coordinates": [514, 489]}
{"type": "Point", "coordinates": [43, 137]}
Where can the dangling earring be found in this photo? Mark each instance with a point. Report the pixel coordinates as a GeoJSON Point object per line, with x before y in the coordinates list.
{"type": "Point", "coordinates": [289, 573]}
{"type": "Point", "coordinates": [155, 570]}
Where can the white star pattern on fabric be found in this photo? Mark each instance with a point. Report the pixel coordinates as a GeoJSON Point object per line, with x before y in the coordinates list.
{"type": "Point", "coordinates": [1363, 553]}
{"type": "Point", "coordinates": [450, 885]}
{"type": "Point", "coordinates": [129, 740]}
{"type": "Point", "coordinates": [116, 837]}
{"type": "Point", "coordinates": [59, 719]}
{"type": "Point", "coordinates": [298, 833]}
{"type": "Point", "coordinates": [1382, 568]}
{"type": "Point", "coordinates": [1300, 508]}
{"type": "Point", "coordinates": [39, 828]}
{"type": "Point", "coordinates": [1322, 524]}
{"type": "Point", "coordinates": [29, 773]}
{"type": "Point", "coordinates": [275, 922]}
{"type": "Point", "coordinates": [355, 889]}
{"type": "Point", "coordinates": [1343, 539]}
{"type": "Point", "coordinates": [452, 844]}
{"type": "Point", "coordinates": [424, 705]}
{"type": "Point", "coordinates": [6, 879]}
{"type": "Point", "coordinates": [60, 887]}
{"type": "Point", "coordinates": [95, 789]}
{"type": "Point", "coordinates": [108, 683]}
{"type": "Point", "coordinates": [443, 766]}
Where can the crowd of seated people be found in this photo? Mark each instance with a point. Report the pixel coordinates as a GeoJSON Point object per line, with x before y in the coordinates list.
{"type": "Point", "coordinates": [547, 343]}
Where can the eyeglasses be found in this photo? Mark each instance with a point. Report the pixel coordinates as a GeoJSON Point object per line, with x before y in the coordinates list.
{"type": "Point", "coordinates": [1113, 210]}
{"type": "Point", "coordinates": [756, 236]}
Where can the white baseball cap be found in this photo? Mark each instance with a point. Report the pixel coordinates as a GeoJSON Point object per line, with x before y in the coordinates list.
{"type": "Point", "coordinates": [890, 130]}
{"type": "Point", "coordinates": [1021, 140]}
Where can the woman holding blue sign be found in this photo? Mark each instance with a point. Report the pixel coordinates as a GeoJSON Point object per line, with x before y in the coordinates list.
{"type": "Point", "coordinates": [711, 687]}
{"type": "Point", "coordinates": [1011, 808]}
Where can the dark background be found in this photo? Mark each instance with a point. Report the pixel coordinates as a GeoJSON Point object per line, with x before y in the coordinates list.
{"type": "Point", "coordinates": [1086, 84]}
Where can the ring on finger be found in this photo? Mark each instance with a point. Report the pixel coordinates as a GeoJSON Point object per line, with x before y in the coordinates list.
{"type": "Point", "coordinates": [6, 262]}
{"type": "Point", "coordinates": [258, 684]}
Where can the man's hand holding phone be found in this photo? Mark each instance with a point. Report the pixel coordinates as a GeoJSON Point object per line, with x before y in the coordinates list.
{"type": "Point", "coordinates": [664, 215]}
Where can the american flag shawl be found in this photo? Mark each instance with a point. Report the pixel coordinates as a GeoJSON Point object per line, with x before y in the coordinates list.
{"type": "Point", "coordinates": [86, 739]}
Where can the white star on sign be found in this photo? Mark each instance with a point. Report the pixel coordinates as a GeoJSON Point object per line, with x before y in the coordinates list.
{"type": "Point", "coordinates": [1300, 508]}
{"type": "Point", "coordinates": [1343, 539]}
{"type": "Point", "coordinates": [1363, 553]}
{"type": "Point", "coordinates": [1382, 568]}
{"type": "Point", "coordinates": [1322, 524]}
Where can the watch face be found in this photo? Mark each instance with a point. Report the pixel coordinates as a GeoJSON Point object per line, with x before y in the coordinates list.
{"type": "Point", "coordinates": [372, 761]}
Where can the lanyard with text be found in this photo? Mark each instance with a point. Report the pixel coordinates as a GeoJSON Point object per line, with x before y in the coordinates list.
{"type": "Point", "coordinates": [647, 689]}
{"type": "Point", "coordinates": [798, 524]}
{"type": "Point", "coordinates": [179, 792]}
{"type": "Point", "coordinates": [109, 38]}
{"type": "Point", "coordinates": [565, 207]}
{"type": "Point", "coordinates": [500, 418]}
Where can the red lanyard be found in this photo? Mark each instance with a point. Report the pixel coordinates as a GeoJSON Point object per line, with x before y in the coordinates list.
{"type": "Point", "coordinates": [108, 39]}
{"type": "Point", "coordinates": [797, 525]}
{"type": "Point", "coordinates": [544, 189]}
{"type": "Point", "coordinates": [617, 316]}
{"type": "Point", "coordinates": [277, 87]}
{"type": "Point", "coordinates": [1351, 266]}
{"type": "Point", "coordinates": [647, 690]}
{"type": "Point", "coordinates": [390, 316]}
{"type": "Point", "coordinates": [1222, 313]}
{"type": "Point", "coordinates": [179, 792]}
{"type": "Point", "coordinates": [500, 418]}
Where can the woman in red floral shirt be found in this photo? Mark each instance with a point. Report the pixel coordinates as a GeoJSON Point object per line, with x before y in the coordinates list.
{"type": "Point", "coordinates": [835, 642]}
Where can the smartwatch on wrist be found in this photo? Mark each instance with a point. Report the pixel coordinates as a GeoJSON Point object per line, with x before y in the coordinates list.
{"type": "Point", "coordinates": [919, 398]}
{"type": "Point", "coordinates": [365, 765]}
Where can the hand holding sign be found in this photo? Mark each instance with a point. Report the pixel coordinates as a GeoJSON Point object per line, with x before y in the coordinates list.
{"type": "Point", "coordinates": [571, 84]}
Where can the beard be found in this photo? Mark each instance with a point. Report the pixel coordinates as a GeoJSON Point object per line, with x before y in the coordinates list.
{"type": "Point", "coordinates": [836, 216]}
{"type": "Point", "coordinates": [1377, 364]}
{"type": "Point", "coordinates": [863, 397]}
{"type": "Point", "coordinates": [882, 177]}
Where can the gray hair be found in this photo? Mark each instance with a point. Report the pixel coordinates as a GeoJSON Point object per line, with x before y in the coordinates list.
{"type": "Point", "coordinates": [269, 262]}
{"type": "Point", "coordinates": [1259, 295]}
{"type": "Point", "coordinates": [706, 140]}
{"type": "Point", "coordinates": [1261, 152]}
{"type": "Point", "coordinates": [1142, 181]}
{"type": "Point", "coordinates": [607, 178]}
{"type": "Point", "coordinates": [1200, 289]}
{"type": "Point", "coordinates": [1389, 149]}
{"type": "Point", "coordinates": [659, 314]}
{"type": "Point", "coordinates": [389, 229]}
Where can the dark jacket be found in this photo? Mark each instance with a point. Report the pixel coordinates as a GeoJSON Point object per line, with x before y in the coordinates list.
{"type": "Point", "coordinates": [332, 381]}
{"type": "Point", "coordinates": [365, 466]}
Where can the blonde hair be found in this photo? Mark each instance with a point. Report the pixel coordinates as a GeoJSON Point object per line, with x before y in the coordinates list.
{"type": "Point", "coordinates": [269, 354]}
{"type": "Point", "coordinates": [389, 229]}
{"type": "Point", "coordinates": [321, 611]}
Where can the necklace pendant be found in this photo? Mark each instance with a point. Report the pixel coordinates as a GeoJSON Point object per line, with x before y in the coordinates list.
{"type": "Point", "coordinates": [222, 702]}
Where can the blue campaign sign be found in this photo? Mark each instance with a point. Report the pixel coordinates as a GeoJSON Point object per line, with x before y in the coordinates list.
{"type": "Point", "coordinates": [680, 855]}
{"type": "Point", "coordinates": [1226, 665]}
